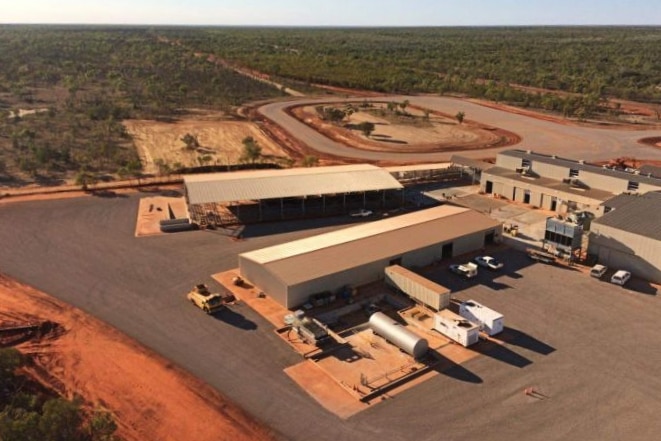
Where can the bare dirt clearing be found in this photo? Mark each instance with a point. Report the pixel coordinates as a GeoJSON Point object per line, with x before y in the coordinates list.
{"type": "Point", "coordinates": [412, 132]}
{"type": "Point", "coordinates": [220, 141]}
{"type": "Point", "coordinates": [149, 398]}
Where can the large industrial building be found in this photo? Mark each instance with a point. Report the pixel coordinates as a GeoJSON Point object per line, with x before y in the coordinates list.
{"type": "Point", "coordinates": [357, 255]}
{"type": "Point", "coordinates": [628, 236]}
{"type": "Point", "coordinates": [559, 184]}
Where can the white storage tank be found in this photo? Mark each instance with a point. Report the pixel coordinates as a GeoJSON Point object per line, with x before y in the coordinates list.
{"type": "Point", "coordinates": [398, 335]}
{"type": "Point", "coordinates": [417, 287]}
{"type": "Point", "coordinates": [456, 328]}
{"type": "Point", "coordinates": [490, 321]}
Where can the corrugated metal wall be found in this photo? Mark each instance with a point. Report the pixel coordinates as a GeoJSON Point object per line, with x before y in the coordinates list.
{"type": "Point", "coordinates": [296, 295]}
{"type": "Point", "coordinates": [619, 249]}
{"type": "Point", "coordinates": [257, 275]}
{"type": "Point", "coordinates": [418, 287]}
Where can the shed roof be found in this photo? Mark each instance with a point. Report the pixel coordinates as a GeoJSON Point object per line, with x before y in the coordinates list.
{"type": "Point", "coordinates": [329, 253]}
{"type": "Point", "coordinates": [470, 162]}
{"type": "Point", "coordinates": [639, 216]}
{"type": "Point", "coordinates": [418, 167]}
{"type": "Point", "coordinates": [618, 201]}
{"type": "Point", "coordinates": [417, 278]}
{"type": "Point", "coordinates": [582, 165]}
{"type": "Point", "coordinates": [552, 184]}
{"type": "Point", "coordinates": [650, 170]}
{"type": "Point", "coordinates": [269, 184]}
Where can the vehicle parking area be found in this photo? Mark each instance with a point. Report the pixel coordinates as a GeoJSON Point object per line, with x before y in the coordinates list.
{"type": "Point", "coordinates": [589, 349]}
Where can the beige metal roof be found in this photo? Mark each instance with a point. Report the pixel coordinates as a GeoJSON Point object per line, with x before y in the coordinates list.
{"type": "Point", "coordinates": [551, 184]}
{"type": "Point", "coordinates": [328, 253]}
{"type": "Point", "coordinates": [270, 184]}
{"type": "Point", "coordinates": [470, 162]}
{"type": "Point", "coordinates": [581, 165]}
{"type": "Point", "coordinates": [639, 216]}
{"type": "Point", "coordinates": [420, 280]}
{"type": "Point", "coordinates": [418, 167]}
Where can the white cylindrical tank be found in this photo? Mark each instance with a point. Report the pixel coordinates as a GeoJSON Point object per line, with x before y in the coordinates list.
{"type": "Point", "coordinates": [398, 335]}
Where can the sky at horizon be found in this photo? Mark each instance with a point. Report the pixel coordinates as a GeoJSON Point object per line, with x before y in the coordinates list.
{"type": "Point", "coordinates": [334, 13]}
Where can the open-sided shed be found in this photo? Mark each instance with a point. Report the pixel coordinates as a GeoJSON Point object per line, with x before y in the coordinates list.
{"type": "Point", "coordinates": [267, 194]}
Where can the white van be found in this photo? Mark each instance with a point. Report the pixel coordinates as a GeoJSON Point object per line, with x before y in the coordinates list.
{"type": "Point", "coordinates": [621, 277]}
{"type": "Point", "coordinates": [598, 271]}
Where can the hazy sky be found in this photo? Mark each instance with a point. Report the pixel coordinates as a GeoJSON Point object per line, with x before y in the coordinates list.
{"type": "Point", "coordinates": [335, 12]}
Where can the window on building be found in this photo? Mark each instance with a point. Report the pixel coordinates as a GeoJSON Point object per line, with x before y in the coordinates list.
{"type": "Point", "coordinates": [573, 173]}
{"type": "Point", "coordinates": [633, 186]}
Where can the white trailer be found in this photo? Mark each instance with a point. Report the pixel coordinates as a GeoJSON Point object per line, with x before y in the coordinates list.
{"type": "Point", "coordinates": [456, 327]}
{"type": "Point", "coordinates": [417, 287]}
{"type": "Point", "coordinates": [490, 321]}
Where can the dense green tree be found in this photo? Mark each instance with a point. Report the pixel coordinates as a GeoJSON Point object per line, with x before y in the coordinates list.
{"type": "Point", "coordinates": [332, 114]}
{"type": "Point", "coordinates": [61, 420]}
{"type": "Point", "coordinates": [190, 141]}
{"type": "Point", "coordinates": [460, 116]}
{"type": "Point", "coordinates": [19, 424]}
{"type": "Point", "coordinates": [102, 427]}
{"type": "Point", "coordinates": [25, 416]}
{"type": "Point", "coordinates": [252, 151]}
{"type": "Point", "coordinates": [366, 127]}
{"type": "Point", "coordinates": [10, 360]}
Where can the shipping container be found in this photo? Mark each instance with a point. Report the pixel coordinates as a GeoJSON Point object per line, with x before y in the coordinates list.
{"type": "Point", "coordinates": [490, 321]}
{"type": "Point", "coordinates": [398, 335]}
{"type": "Point", "coordinates": [418, 288]}
{"type": "Point", "coordinates": [456, 328]}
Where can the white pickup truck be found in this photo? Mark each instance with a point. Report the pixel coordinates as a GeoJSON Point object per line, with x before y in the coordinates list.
{"type": "Point", "coordinates": [465, 270]}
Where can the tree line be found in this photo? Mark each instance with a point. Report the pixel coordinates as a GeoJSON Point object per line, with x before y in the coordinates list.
{"type": "Point", "coordinates": [28, 412]}
{"type": "Point", "coordinates": [85, 81]}
{"type": "Point", "coordinates": [592, 62]}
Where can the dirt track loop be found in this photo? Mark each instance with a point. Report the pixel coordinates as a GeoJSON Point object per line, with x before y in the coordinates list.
{"type": "Point", "coordinates": [568, 140]}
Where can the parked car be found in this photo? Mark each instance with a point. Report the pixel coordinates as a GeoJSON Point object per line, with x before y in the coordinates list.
{"type": "Point", "coordinates": [488, 262]}
{"type": "Point", "coordinates": [363, 212]}
{"type": "Point", "coordinates": [465, 270]}
{"type": "Point", "coordinates": [621, 277]}
{"type": "Point", "coordinates": [598, 271]}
